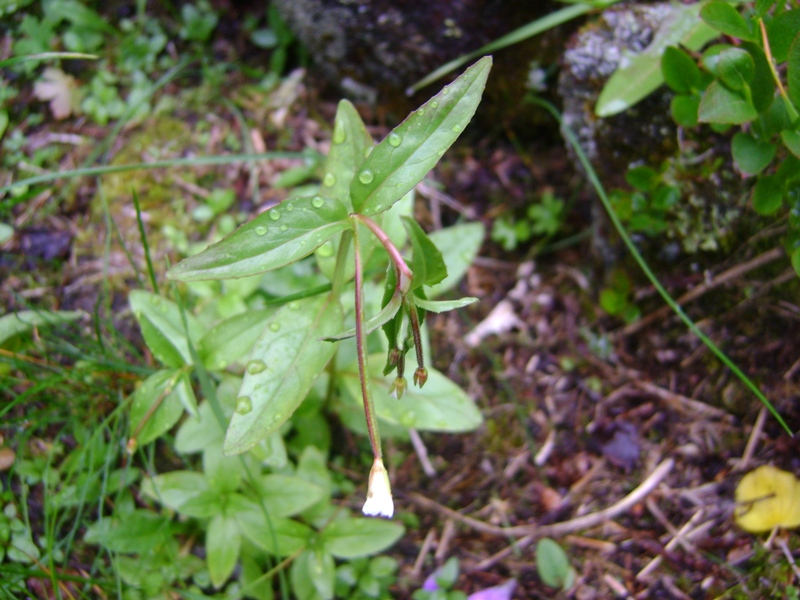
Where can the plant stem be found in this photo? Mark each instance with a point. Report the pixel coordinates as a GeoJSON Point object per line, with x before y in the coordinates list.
{"type": "Point", "coordinates": [339, 268]}
{"type": "Point", "coordinates": [361, 347]}
{"type": "Point", "coordinates": [404, 274]}
{"type": "Point", "coordinates": [414, 318]}
{"type": "Point", "coordinates": [790, 109]}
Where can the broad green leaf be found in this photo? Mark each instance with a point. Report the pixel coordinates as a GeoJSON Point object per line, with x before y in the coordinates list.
{"type": "Point", "coordinates": [642, 178]}
{"type": "Point", "coordinates": [641, 73]}
{"type": "Point", "coordinates": [175, 488]}
{"type": "Point", "coordinates": [205, 505]}
{"type": "Point", "coordinates": [793, 73]}
{"type": "Point", "coordinates": [459, 246]}
{"type": "Point", "coordinates": [284, 363]}
{"type": "Point", "coordinates": [223, 541]}
{"type": "Point", "coordinates": [353, 537]}
{"type": "Point", "coordinates": [735, 68]}
{"type": "Point", "coordinates": [279, 537]}
{"type": "Point", "coordinates": [406, 155]}
{"type": "Point", "coordinates": [286, 495]}
{"type": "Point", "coordinates": [684, 109]}
{"type": "Point", "coordinates": [224, 473]}
{"type": "Point", "coordinates": [138, 532]}
{"type": "Point", "coordinates": [552, 565]}
{"type": "Point", "coordinates": [767, 195]}
{"type": "Point", "coordinates": [781, 32]}
{"type": "Point", "coordinates": [762, 86]}
{"type": "Point", "coordinates": [723, 17]}
{"type": "Point", "coordinates": [275, 238]}
{"type": "Point", "coordinates": [440, 306]}
{"type": "Point", "coordinates": [680, 71]}
{"type": "Point", "coordinates": [763, 6]}
{"type": "Point", "coordinates": [791, 139]}
{"type": "Point", "coordinates": [156, 407]}
{"type": "Point", "coordinates": [231, 339]}
{"type": "Point", "coordinates": [350, 145]}
{"type": "Point", "coordinates": [427, 264]}
{"type": "Point", "coordinates": [195, 433]}
{"type": "Point", "coordinates": [751, 155]}
{"type": "Point", "coordinates": [440, 406]}
{"type": "Point", "coordinates": [724, 106]}
{"type": "Point", "coordinates": [313, 575]}
{"type": "Point", "coordinates": [162, 327]}
{"type": "Point", "coordinates": [14, 324]}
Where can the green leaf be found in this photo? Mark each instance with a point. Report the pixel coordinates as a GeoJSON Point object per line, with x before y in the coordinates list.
{"type": "Point", "coordinates": [553, 566]}
{"type": "Point", "coordinates": [286, 495]}
{"type": "Point", "coordinates": [440, 306]}
{"type": "Point", "coordinates": [138, 532]}
{"type": "Point", "coordinates": [385, 315]}
{"type": "Point", "coordinates": [763, 6]}
{"type": "Point", "coordinates": [791, 139]}
{"type": "Point", "coordinates": [680, 71]}
{"type": "Point", "coordinates": [231, 339]}
{"type": "Point", "coordinates": [156, 407]}
{"type": "Point", "coordinates": [313, 575]}
{"type": "Point", "coordinates": [642, 178]}
{"type": "Point", "coordinates": [440, 406]}
{"type": "Point", "coordinates": [223, 541]}
{"type": "Point", "coordinates": [767, 195]}
{"type": "Point", "coordinates": [279, 537]}
{"type": "Point", "coordinates": [275, 238]}
{"type": "Point", "coordinates": [175, 488]}
{"type": "Point", "coordinates": [14, 324]}
{"type": "Point", "coordinates": [459, 246]}
{"type": "Point", "coordinates": [751, 155]}
{"type": "Point", "coordinates": [642, 72]}
{"type": "Point", "coordinates": [684, 109]}
{"type": "Point", "coordinates": [726, 19]}
{"type": "Point", "coordinates": [793, 73]}
{"type": "Point", "coordinates": [735, 68]}
{"type": "Point", "coordinates": [406, 155]}
{"type": "Point", "coordinates": [162, 327]}
{"type": "Point", "coordinates": [796, 261]}
{"type": "Point", "coordinates": [724, 106]}
{"type": "Point", "coordinates": [284, 363]}
{"type": "Point", "coordinates": [427, 263]}
{"type": "Point", "coordinates": [195, 433]}
{"type": "Point", "coordinates": [224, 473]}
{"type": "Point", "coordinates": [353, 537]}
{"type": "Point", "coordinates": [205, 504]}
{"type": "Point", "coordinates": [350, 145]}
{"type": "Point", "coordinates": [762, 86]}
{"type": "Point", "coordinates": [781, 32]}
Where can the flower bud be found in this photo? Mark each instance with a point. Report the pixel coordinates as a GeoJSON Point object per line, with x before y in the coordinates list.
{"type": "Point", "coordinates": [398, 387]}
{"type": "Point", "coordinates": [420, 376]}
{"type": "Point", "coordinates": [379, 495]}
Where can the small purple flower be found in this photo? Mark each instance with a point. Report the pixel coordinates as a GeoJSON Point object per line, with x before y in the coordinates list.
{"type": "Point", "coordinates": [499, 592]}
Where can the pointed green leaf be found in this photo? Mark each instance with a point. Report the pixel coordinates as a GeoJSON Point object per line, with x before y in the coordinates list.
{"type": "Point", "coordinates": [680, 71]}
{"type": "Point", "coordinates": [156, 407]}
{"type": "Point", "coordinates": [401, 160]}
{"type": "Point", "coordinates": [204, 505]}
{"type": "Point", "coordinates": [751, 155]}
{"type": "Point", "coordinates": [724, 106]}
{"type": "Point", "coordinates": [791, 139]}
{"type": "Point", "coordinates": [231, 339]}
{"type": "Point", "coordinates": [553, 566]}
{"type": "Point", "coordinates": [275, 238]}
{"type": "Point", "coordinates": [459, 246]}
{"type": "Point", "coordinates": [224, 473]}
{"type": "Point", "coordinates": [370, 325]}
{"type": "Point", "coordinates": [286, 495]}
{"type": "Point", "coordinates": [723, 17]}
{"type": "Point", "coordinates": [223, 541]}
{"type": "Point", "coordinates": [427, 263]}
{"type": "Point", "coordinates": [195, 433]}
{"type": "Point", "coordinates": [279, 537]}
{"type": "Point", "coordinates": [350, 145]}
{"type": "Point", "coordinates": [313, 575]}
{"type": "Point", "coordinates": [641, 73]}
{"type": "Point", "coordinates": [793, 73]}
{"type": "Point", "coordinates": [175, 488]}
{"type": "Point", "coordinates": [14, 324]}
{"type": "Point", "coordinates": [353, 537]}
{"type": "Point", "coordinates": [139, 532]}
{"type": "Point", "coordinates": [735, 68]}
{"type": "Point", "coordinates": [684, 109]}
{"type": "Point", "coordinates": [767, 195]}
{"type": "Point", "coordinates": [284, 363]}
{"type": "Point", "coordinates": [440, 306]}
{"type": "Point", "coordinates": [162, 327]}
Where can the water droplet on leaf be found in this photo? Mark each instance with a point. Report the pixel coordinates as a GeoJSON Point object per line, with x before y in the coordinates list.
{"type": "Point", "coordinates": [457, 128]}
{"type": "Point", "coordinates": [329, 180]}
{"type": "Point", "coordinates": [317, 201]}
{"type": "Point", "coordinates": [284, 228]}
{"type": "Point", "coordinates": [421, 112]}
{"type": "Point", "coordinates": [274, 214]}
{"type": "Point", "coordinates": [445, 91]}
{"type": "Point", "coordinates": [339, 134]}
{"type": "Point", "coordinates": [434, 104]}
{"type": "Point", "coordinates": [366, 176]}
{"type": "Point", "coordinates": [395, 140]}
{"type": "Point", "coordinates": [243, 405]}
{"type": "Point", "coordinates": [294, 305]}
{"type": "Point", "coordinates": [274, 326]}
{"type": "Point", "coordinates": [290, 207]}
{"type": "Point", "coordinates": [254, 367]}
{"type": "Point", "coordinates": [261, 230]}
{"type": "Point", "coordinates": [325, 250]}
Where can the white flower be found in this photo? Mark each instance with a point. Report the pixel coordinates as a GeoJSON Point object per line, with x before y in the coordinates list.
{"type": "Point", "coordinates": [379, 495]}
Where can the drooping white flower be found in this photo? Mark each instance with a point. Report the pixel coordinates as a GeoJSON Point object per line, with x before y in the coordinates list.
{"type": "Point", "coordinates": [379, 495]}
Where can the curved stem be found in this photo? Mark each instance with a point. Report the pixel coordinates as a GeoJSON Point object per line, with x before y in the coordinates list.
{"type": "Point", "coordinates": [404, 274]}
{"type": "Point", "coordinates": [361, 347]}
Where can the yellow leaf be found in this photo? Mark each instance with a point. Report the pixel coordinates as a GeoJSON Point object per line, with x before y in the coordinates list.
{"type": "Point", "coordinates": [766, 498]}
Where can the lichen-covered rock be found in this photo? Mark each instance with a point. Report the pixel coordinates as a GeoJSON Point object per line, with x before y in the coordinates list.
{"type": "Point", "coordinates": [696, 162]}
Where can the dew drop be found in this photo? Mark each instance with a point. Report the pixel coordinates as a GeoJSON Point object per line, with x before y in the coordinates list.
{"type": "Point", "coordinates": [366, 176]}
{"type": "Point", "coordinates": [283, 228]}
{"type": "Point", "coordinates": [243, 405]}
{"type": "Point", "coordinates": [274, 214]}
{"type": "Point", "coordinates": [395, 140]}
{"type": "Point", "coordinates": [317, 201]}
{"type": "Point", "coordinates": [254, 367]}
{"type": "Point", "coordinates": [325, 250]}
{"type": "Point", "coordinates": [289, 207]}
{"type": "Point", "coordinates": [274, 326]}
{"type": "Point", "coordinates": [445, 91]}
{"type": "Point", "coordinates": [421, 112]}
{"type": "Point", "coordinates": [329, 180]}
{"type": "Point", "coordinates": [457, 128]}
{"type": "Point", "coordinates": [339, 134]}
{"type": "Point", "coordinates": [261, 230]}
{"type": "Point", "coordinates": [294, 305]}
{"type": "Point", "coordinates": [434, 104]}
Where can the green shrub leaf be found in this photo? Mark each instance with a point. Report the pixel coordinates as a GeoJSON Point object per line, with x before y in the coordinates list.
{"type": "Point", "coordinates": [284, 363]}
{"type": "Point", "coordinates": [406, 155]}
{"type": "Point", "coordinates": [724, 106]}
{"type": "Point", "coordinates": [791, 139]}
{"type": "Point", "coordinates": [793, 73]}
{"type": "Point", "coordinates": [751, 155]}
{"type": "Point", "coordinates": [723, 17]}
{"type": "Point", "coordinates": [354, 537]}
{"type": "Point", "coordinates": [735, 68]}
{"type": "Point", "coordinates": [680, 71]}
{"type": "Point", "coordinates": [553, 566]}
{"type": "Point", "coordinates": [781, 32]}
{"type": "Point", "coordinates": [767, 195]}
{"type": "Point", "coordinates": [684, 109]}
